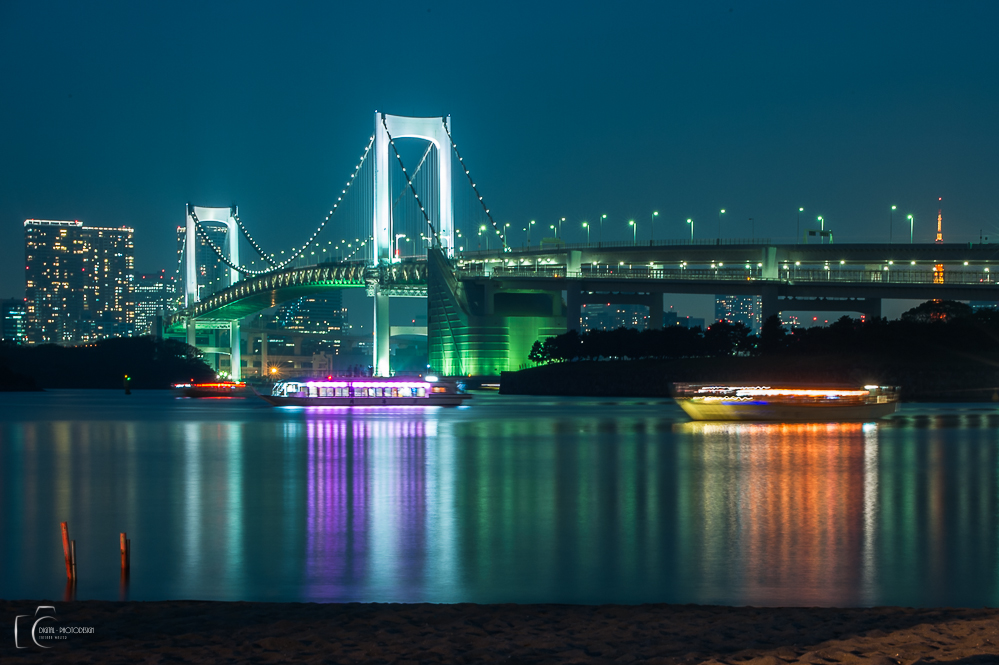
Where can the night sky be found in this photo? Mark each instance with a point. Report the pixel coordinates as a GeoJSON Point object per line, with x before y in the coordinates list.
{"type": "Point", "coordinates": [121, 113]}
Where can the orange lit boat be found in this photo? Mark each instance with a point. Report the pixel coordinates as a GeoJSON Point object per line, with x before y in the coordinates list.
{"type": "Point", "coordinates": [216, 389]}
{"type": "Point", "coordinates": [785, 404]}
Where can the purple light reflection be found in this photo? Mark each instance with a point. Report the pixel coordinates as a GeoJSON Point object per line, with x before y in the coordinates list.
{"type": "Point", "coordinates": [337, 507]}
{"type": "Point", "coordinates": [366, 508]}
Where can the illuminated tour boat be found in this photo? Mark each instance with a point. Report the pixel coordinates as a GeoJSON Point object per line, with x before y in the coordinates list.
{"type": "Point", "coordinates": [367, 391]}
{"type": "Point", "coordinates": [764, 403]}
{"type": "Point", "coordinates": [214, 389]}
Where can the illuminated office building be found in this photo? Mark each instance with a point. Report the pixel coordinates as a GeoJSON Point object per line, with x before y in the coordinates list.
{"type": "Point", "coordinates": [13, 321]}
{"type": "Point", "coordinates": [321, 313]}
{"type": "Point", "coordinates": [598, 316]}
{"type": "Point", "coordinates": [155, 295]}
{"type": "Point", "coordinates": [747, 310]}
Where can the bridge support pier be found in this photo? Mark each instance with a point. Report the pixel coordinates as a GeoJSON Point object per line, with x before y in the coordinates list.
{"type": "Point", "coordinates": [191, 329]}
{"type": "Point", "coordinates": [263, 355]}
{"type": "Point", "coordinates": [655, 311]}
{"type": "Point", "coordinates": [770, 303]}
{"type": "Point", "coordinates": [573, 309]}
{"type": "Point", "coordinates": [382, 350]}
{"type": "Point", "coordinates": [235, 373]}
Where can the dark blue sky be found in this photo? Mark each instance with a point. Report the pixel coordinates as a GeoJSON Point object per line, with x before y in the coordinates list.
{"type": "Point", "coordinates": [120, 113]}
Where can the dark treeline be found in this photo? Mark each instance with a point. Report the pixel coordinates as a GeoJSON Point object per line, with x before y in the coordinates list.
{"type": "Point", "coordinates": [721, 339]}
{"type": "Point", "coordinates": [150, 363]}
{"type": "Point", "coordinates": [931, 328]}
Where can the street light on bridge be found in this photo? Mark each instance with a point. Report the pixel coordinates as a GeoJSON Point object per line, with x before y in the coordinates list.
{"type": "Point", "coordinates": [910, 229]}
{"type": "Point", "coordinates": [720, 213]}
{"type": "Point", "coordinates": [634, 232]}
{"type": "Point", "coordinates": [797, 227]}
{"type": "Point", "coordinates": [397, 237]}
{"type": "Point", "coordinates": [587, 227]}
{"type": "Point", "coordinates": [891, 220]}
{"type": "Point", "coordinates": [652, 231]}
{"type": "Point", "coordinates": [691, 222]}
{"type": "Point", "coordinates": [529, 234]}
{"type": "Point", "coordinates": [602, 218]}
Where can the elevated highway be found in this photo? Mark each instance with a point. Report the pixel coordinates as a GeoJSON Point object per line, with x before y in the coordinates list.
{"type": "Point", "coordinates": [730, 252]}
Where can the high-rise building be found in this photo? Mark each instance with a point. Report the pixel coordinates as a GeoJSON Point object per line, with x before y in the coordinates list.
{"type": "Point", "coordinates": [747, 310]}
{"type": "Point", "coordinates": [213, 274]}
{"type": "Point", "coordinates": [154, 294]}
{"type": "Point", "coordinates": [109, 267]}
{"type": "Point", "coordinates": [78, 281]}
{"type": "Point", "coordinates": [54, 280]}
{"type": "Point", "coordinates": [13, 321]}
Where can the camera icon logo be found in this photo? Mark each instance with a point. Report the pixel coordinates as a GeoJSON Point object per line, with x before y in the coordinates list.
{"type": "Point", "coordinates": [27, 626]}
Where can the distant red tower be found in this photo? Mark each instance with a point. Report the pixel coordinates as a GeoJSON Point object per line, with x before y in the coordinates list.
{"type": "Point", "coordinates": [940, 221]}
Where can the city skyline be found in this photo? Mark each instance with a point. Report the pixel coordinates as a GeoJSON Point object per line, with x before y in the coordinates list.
{"type": "Point", "coordinates": [758, 111]}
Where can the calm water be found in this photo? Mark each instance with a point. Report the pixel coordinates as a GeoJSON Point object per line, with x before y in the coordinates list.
{"type": "Point", "coordinates": [510, 499]}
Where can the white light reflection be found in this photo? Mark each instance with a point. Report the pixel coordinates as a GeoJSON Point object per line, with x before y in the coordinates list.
{"type": "Point", "coordinates": [443, 565]}
{"type": "Point", "coordinates": [232, 434]}
{"type": "Point", "coordinates": [193, 511]}
{"type": "Point", "coordinates": [868, 590]}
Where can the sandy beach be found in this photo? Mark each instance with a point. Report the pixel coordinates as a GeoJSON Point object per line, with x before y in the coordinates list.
{"type": "Point", "coordinates": [214, 632]}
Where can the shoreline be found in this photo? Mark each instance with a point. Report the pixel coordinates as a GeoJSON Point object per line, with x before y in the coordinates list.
{"type": "Point", "coordinates": [216, 631]}
{"type": "Point", "coordinates": [924, 381]}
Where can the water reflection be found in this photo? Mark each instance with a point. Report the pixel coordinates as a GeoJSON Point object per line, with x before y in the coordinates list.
{"type": "Point", "coordinates": [509, 501]}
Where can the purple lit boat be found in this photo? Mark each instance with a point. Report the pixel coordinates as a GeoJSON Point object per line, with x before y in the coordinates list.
{"type": "Point", "coordinates": [368, 391]}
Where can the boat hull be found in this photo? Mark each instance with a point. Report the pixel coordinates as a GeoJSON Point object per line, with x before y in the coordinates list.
{"type": "Point", "coordinates": [795, 413]}
{"type": "Point", "coordinates": [444, 399]}
{"type": "Point", "coordinates": [212, 391]}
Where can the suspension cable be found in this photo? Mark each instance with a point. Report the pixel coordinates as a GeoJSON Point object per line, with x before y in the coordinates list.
{"type": "Point", "coordinates": [492, 221]}
{"type": "Point", "coordinates": [430, 146]}
{"type": "Point", "coordinates": [264, 255]}
{"type": "Point", "coordinates": [180, 254]}
{"type": "Point", "coordinates": [430, 224]}
{"type": "Point", "coordinates": [297, 252]}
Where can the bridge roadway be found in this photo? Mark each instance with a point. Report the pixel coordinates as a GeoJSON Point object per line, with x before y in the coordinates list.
{"type": "Point", "coordinates": [797, 289]}
{"type": "Point", "coordinates": [806, 271]}
{"type": "Point", "coordinates": [706, 252]}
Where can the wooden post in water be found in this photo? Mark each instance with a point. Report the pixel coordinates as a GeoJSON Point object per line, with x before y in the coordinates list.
{"type": "Point", "coordinates": [123, 541]}
{"type": "Point", "coordinates": [70, 573]}
{"type": "Point", "coordinates": [72, 554]}
{"type": "Point", "coordinates": [126, 564]}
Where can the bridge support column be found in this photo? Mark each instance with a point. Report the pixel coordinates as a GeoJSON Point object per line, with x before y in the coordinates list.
{"type": "Point", "coordinates": [382, 350]}
{"type": "Point", "coordinates": [263, 355]}
{"type": "Point", "coordinates": [770, 304]}
{"type": "Point", "coordinates": [234, 351]}
{"type": "Point", "coordinates": [192, 332]}
{"type": "Point", "coordinates": [655, 311]}
{"type": "Point", "coordinates": [872, 308]}
{"type": "Point", "coordinates": [573, 308]}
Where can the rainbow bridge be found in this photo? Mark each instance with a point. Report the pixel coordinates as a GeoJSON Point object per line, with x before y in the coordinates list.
{"type": "Point", "coordinates": [419, 232]}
